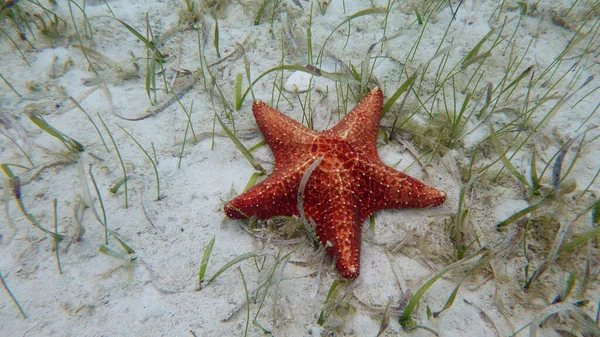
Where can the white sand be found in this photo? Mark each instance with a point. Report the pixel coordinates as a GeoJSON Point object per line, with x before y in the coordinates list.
{"type": "Point", "coordinates": [156, 295]}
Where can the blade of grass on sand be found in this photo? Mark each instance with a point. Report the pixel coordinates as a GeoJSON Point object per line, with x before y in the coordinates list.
{"type": "Point", "coordinates": [79, 36]}
{"type": "Point", "coordinates": [368, 11]}
{"type": "Point", "coordinates": [233, 262]}
{"type": "Point", "coordinates": [104, 249]}
{"type": "Point", "coordinates": [90, 119]}
{"type": "Point", "coordinates": [477, 47]}
{"type": "Point", "coordinates": [323, 314]}
{"type": "Point", "coordinates": [585, 237]}
{"type": "Point", "coordinates": [241, 147]}
{"type": "Point", "coordinates": [409, 81]}
{"type": "Point", "coordinates": [71, 144]}
{"type": "Point", "coordinates": [12, 297]}
{"type": "Point", "coordinates": [20, 148]}
{"type": "Point", "coordinates": [150, 45]}
{"type": "Point", "coordinates": [10, 86]}
{"type": "Point", "coordinates": [404, 319]}
{"type": "Point", "coordinates": [204, 262]}
{"type": "Point", "coordinates": [14, 186]}
{"type": "Point", "coordinates": [247, 300]}
{"type": "Point", "coordinates": [149, 158]}
{"type": "Point", "coordinates": [119, 157]}
{"type": "Point", "coordinates": [253, 179]}
{"type": "Point", "coordinates": [278, 68]}
{"type": "Point", "coordinates": [502, 154]}
{"type": "Point", "coordinates": [105, 223]}
{"type": "Point", "coordinates": [16, 45]}
{"type": "Point", "coordinates": [56, 241]}
{"type": "Point", "coordinates": [521, 213]}
{"type": "Point", "coordinates": [216, 39]}
{"type": "Point", "coordinates": [123, 244]}
{"type": "Point", "coordinates": [154, 58]}
{"type": "Point", "coordinates": [238, 90]}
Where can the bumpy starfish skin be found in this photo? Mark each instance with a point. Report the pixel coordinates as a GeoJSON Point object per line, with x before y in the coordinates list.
{"type": "Point", "coordinates": [347, 186]}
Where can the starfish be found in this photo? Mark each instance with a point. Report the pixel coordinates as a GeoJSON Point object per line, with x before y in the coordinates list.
{"type": "Point", "coordinates": [347, 186]}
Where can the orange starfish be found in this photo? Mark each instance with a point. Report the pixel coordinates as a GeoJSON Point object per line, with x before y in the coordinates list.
{"type": "Point", "coordinates": [349, 183]}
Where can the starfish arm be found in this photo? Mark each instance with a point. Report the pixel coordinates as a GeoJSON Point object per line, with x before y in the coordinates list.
{"type": "Point", "coordinates": [340, 225]}
{"type": "Point", "coordinates": [360, 125]}
{"type": "Point", "coordinates": [384, 187]}
{"type": "Point", "coordinates": [286, 137]}
{"type": "Point", "coordinates": [336, 214]}
{"type": "Point", "coordinates": [274, 196]}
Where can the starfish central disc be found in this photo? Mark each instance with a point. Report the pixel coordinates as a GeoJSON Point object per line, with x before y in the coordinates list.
{"type": "Point", "coordinates": [347, 186]}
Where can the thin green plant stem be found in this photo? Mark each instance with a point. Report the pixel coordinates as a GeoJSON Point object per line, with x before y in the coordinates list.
{"type": "Point", "coordinates": [574, 243]}
{"type": "Point", "coordinates": [248, 75]}
{"type": "Point", "coordinates": [188, 125]}
{"type": "Point", "coordinates": [325, 312]}
{"type": "Point", "coordinates": [87, 25]}
{"type": "Point", "coordinates": [404, 87]}
{"type": "Point", "coordinates": [16, 46]}
{"type": "Point", "coordinates": [123, 244]}
{"type": "Point", "coordinates": [506, 161]}
{"type": "Point", "coordinates": [105, 222]}
{"type": "Point", "coordinates": [56, 241]}
{"type": "Point", "coordinates": [436, 53]}
{"type": "Point", "coordinates": [49, 14]}
{"type": "Point", "coordinates": [153, 57]}
{"type": "Point", "coordinates": [591, 182]}
{"type": "Point", "coordinates": [149, 44]}
{"type": "Point", "coordinates": [91, 121]}
{"type": "Point", "coordinates": [582, 99]}
{"type": "Point", "coordinates": [389, 6]}
{"type": "Point", "coordinates": [410, 55]}
{"type": "Point", "coordinates": [368, 11]}
{"type": "Point", "coordinates": [574, 41]}
{"type": "Point", "coordinates": [260, 12]}
{"type": "Point", "coordinates": [247, 301]}
{"type": "Point", "coordinates": [275, 4]}
{"type": "Point", "coordinates": [241, 146]}
{"type": "Point", "coordinates": [119, 157]}
{"type": "Point", "coordinates": [216, 38]}
{"type": "Point", "coordinates": [556, 173]}
{"type": "Point", "coordinates": [79, 37]}
{"type": "Point", "coordinates": [268, 284]}
{"type": "Point", "coordinates": [531, 133]}
{"type": "Point", "coordinates": [20, 148]}
{"type": "Point", "coordinates": [10, 85]}
{"type": "Point", "coordinates": [589, 117]}
{"type": "Point", "coordinates": [149, 158]}
{"type": "Point", "coordinates": [522, 213]}
{"type": "Point", "coordinates": [458, 221]}
{"type": "Point", "coordinates": [238, 89]}
{"type": "Point", "coordinates": [278, 68]}
{"type": "Point", "coordinates": [109, 9]}
{"type": "Point", "coordinates": [154, 153]}
{"type": "Point", "coordinates": [71, 144]}
{"type": "Point", "coordinates": [233, 262]}
{"type": "Point", "coordinates": [309, 43]}
{"type": "Point", "coordinates": [156, 58]}
{"type": "Point", "coordinates": [14, 187]}
{"type": "Point", "coordinates": [404, 319]}
{"type": "Point", "coordinates": [201, 59]}
{"type": "Point", "coordinates": [12, 297]}
{"type": "Point", "coordinates": [204, 262]}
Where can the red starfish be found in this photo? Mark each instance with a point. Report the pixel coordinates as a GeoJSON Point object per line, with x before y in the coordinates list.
{"type": "Point", "coordinates": [349, 184]}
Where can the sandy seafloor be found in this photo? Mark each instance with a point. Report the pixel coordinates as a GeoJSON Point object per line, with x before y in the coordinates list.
{"type": "Point", "coordinates": [157, 293]}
